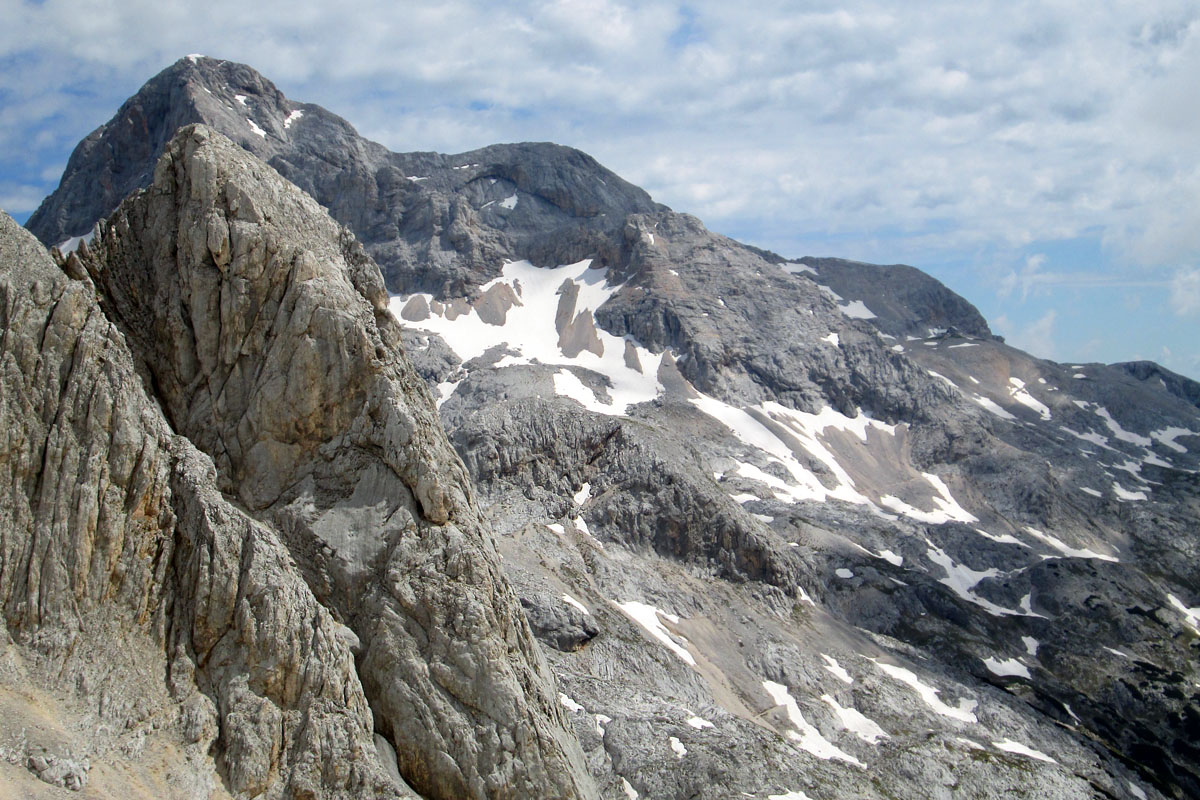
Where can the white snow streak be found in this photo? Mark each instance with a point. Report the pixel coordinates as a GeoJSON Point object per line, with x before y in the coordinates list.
{"type": "Point", "coordinates": [1067, 550]}
{"type": "Point", "coordinates": [806, 736]}
{"type": "Point", "coordinates": [1009, 746]}
{"type": "Point", "coordinates": [678, 748]}
{"type": "Point", "coordinates": [1192, 615]}
{"type": "Point", "coordinates": [857, 309]}
{"type": "Point", "coordinates": [571, 601]}
{"type": "Point", "coordinates": [856, 722]}
{"type": "Point", "coordinates": [1022, 396]}
{"type": "Point", "coordinates": [837, 669]}
{"type": "Point", "coordinates": [648, 617]}
{"type": "Point", "coordinates": [929, 695]}
{"type": "Point", "coordinates": [1006, 668]}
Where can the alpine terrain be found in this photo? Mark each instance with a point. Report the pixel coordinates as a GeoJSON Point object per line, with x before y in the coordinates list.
{"type": "Point", "coordinates": [334, 472]}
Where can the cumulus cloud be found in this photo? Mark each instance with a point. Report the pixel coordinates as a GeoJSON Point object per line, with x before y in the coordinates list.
{"type": "Point", "coordinates": [1185, 292]}
{"type": "Point", "coordinates": [1037, 337]}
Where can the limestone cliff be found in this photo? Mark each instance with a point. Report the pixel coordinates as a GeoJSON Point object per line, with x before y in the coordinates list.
{"type": "Point", "coordinates": [216, 449]}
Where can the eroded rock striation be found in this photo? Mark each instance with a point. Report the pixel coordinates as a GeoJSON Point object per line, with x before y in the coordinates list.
{"type": "Point", "coordinates": [278, 380]}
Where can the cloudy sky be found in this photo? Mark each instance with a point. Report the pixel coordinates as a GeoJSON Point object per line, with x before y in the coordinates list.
{"type": "Point", "coordinates": [1042, 159]}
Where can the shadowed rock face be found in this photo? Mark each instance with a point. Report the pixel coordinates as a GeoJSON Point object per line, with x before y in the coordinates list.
{"type": "Point", "coordinates": [443, 223]}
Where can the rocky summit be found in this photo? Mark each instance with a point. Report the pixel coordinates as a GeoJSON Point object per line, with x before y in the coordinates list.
{"type": "Point", "coordinates": [338, 472]}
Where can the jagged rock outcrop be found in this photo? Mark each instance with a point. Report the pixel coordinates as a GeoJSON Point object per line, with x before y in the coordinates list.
{"type": "Point", "coordinates": [262, 331]}
{"type": "Point", "coordinates": [122, 565]}
{"type": "Point", "coordinates": [265, 333]}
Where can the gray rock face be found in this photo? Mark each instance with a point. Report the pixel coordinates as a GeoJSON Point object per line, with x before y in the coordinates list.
{"type": "Point", "coordinates": [903, 300]}
{"type": "Point", "coordinates": [266, 335]}
{"type": "Point", "coordinates": [122, 564]}
{"type": "Point", "coordinates": [262, 328]}
{"type": "Point", "coordinates": [443, 223]}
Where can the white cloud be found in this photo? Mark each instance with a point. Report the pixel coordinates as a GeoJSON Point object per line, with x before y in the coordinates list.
{"type": "Point", "coordinates": [1037, 338]}
{"type": "Point", "coordinates": [1185, 291]}
{"type": "Point", "coordinates": [950, 134]}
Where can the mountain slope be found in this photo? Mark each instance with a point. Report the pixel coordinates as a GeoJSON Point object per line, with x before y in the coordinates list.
{"type": "Point", "coordinates": [783, 527]}
{"type": "Point", "coordinates": [263, 331]}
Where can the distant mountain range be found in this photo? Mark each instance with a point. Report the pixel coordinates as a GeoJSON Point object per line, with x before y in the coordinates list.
{"type": "Point", "coordinates": [338, 472]}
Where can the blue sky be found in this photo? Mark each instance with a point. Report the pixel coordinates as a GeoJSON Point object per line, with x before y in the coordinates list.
{"type": "Point", "coordinates": [1042, 159]}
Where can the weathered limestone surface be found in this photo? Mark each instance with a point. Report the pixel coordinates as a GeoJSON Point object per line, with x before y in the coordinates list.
{"type": "Point", "coordinates": [265, 332]}
{"type": "Point", "coordinates": [130, 583]}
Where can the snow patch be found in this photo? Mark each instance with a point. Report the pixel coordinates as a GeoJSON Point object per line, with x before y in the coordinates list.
{"type": "Point", "coordinates": [1067, 550]}
{"type": "Point", "coordinates": [843, 573]}
{"type": "Point", "coordinates": [1093, 438]}
{"type": "Point", "coordinates": [831, 339]}
{"type": "Point", "coordinates": [1192, 615]}
{"type": "Point", "coordinates": [1007, 668]}
{"type": "Point", "coordinates": [509, 202]}
{"type": "Point", "coordinates": [1009, 746]}
{"type": "Point", "coordinates": [1019, 393]}
{"type": "Point", "coordinates": [72, 244]}
{"type": "Point", "coordinates": [857, 309]}
{"type": "Point", "coordinates": [571, 601]}
{"type": "Point", "coordinates": [1002, 539]}
{"type": "Point", "coordinates": [856, 722]}
{"type": "Point", "coordinates": [1165, 437]}
{"type": "Point", "coordinates": [528, 328]}
{"type": "Point", "coordinates": [892, 558]}
{"type": "Point", "coordinates": [991, 406]}
{"type": "Point", "coordinates": [796, 268]}
{"type": "Point", "coordinates": [647, 616]}
{"type": "Point", "coordinates": [1092, 492]}
{"type": "Point", "coordinates": [928, 694]}
{"type": "Point", "coordinates": [806, 736]}
{"type": "Point", "coordinates": [1119, 432]}
{"type": "Point", "coordinates": [241, 98]}
{"type": "Point", "coordinates": [583, 494]}
{"type": "Point", "coordinates": [837, 669]}
{"type": "Point", "coordinates": [1031, 645]}
{"type": "Point", "coordinates": [1124, 494]}
{"type": "Point", "coordinates": [948, 509]}
{"type": "Point", "coordinates": [677, 747]}
{"type": "Point", "coordinates": [292, 117]}
{"type": "Point", "coordinates": [570, 704]}
{"type": "Point", "coordinates": [699, 723]}
{"type": "Point", "coordinates": [942, 377]}
{"type": "Point", "coordinates": [254, 127]}
{"type": "Point", "coordinates": [962, 580]}
{"type": "Point", "coordinates": [749, 426]}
